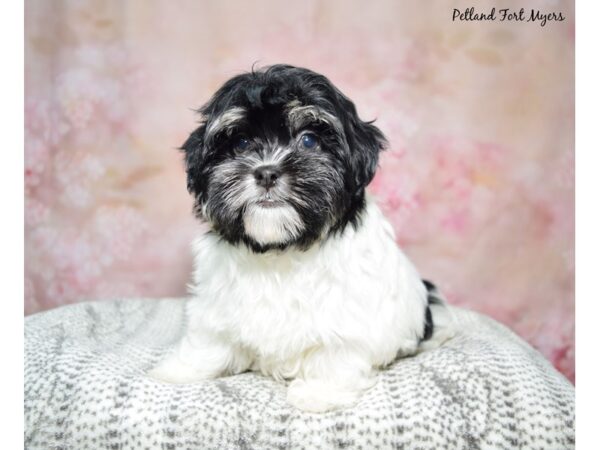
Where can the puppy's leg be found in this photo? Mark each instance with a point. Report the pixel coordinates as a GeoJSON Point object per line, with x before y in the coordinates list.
{"type": "Point", "coordinates": [331, 379]}
{"type": "Point", "coordinates": [198, 356]}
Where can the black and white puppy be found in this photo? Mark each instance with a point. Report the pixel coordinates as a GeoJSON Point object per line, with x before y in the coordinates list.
{"type": "Point", "coordinates": [300, 276]}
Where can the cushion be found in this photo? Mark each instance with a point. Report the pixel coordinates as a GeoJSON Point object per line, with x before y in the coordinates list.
{"type": "Point", "coordinates": [86, 388]}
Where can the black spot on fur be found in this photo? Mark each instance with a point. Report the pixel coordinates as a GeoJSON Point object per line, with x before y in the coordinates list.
{"type": "Point", "coordinates": [433, 298]}
{"type": "Point", "coordinates": [428, 330]}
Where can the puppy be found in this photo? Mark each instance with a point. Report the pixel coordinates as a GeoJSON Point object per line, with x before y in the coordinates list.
{"type": "Point", "coordinates": [300, 276]}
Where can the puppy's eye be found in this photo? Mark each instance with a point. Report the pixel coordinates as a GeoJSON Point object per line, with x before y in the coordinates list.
{"type": "Point", "coordinates": [241, 143]}
{"type": "Point", "coordinates": [309, 140]}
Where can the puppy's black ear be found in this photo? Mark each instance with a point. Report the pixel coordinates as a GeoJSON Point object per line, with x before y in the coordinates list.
{"type": "Point", "coordinates": [368, 142]}
{"type": "Point", "coordinates": [365, 141]}
{"type": "Point", "coordinates": [196, 157]}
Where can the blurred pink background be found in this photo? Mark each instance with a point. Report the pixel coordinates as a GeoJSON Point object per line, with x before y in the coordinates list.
{"type": "Point", "coordinates": [478, 180]}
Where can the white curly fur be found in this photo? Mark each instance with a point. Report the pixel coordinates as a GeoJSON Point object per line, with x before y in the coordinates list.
{"type": "Point", "coordinates": [325, 317]}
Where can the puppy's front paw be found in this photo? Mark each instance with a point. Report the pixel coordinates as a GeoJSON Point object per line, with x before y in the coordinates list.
{"type": "Point", "coordinates": [320, 396]}
{"type": "Point", "coordinates": [174, 371]}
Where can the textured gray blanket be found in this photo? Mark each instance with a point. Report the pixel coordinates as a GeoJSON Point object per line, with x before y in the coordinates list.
{"type": "Point", "coordinates": [86, 388]}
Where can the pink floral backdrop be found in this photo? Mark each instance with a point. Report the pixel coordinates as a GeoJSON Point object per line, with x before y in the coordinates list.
{"type": "Point", "coordinates": [478, 180]}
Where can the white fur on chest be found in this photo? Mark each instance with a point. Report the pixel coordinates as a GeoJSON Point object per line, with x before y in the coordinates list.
{"type": "Point", "coordinates": [356, 289]}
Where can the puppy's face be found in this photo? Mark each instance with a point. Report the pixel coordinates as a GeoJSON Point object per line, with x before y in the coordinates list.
{"type": "Point", "coordinates": [281, 159]}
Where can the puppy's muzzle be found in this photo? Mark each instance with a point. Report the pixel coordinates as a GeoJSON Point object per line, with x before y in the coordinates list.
{"type": "Point", "coordinates": [267, 176]}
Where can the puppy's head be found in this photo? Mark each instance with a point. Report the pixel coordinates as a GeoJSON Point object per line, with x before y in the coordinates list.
{"type": "Point", "coordinates": [280, 159]}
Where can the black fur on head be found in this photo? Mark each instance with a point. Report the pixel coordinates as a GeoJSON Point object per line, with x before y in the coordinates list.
{"type": "Point", "coordinates": [280, 159]}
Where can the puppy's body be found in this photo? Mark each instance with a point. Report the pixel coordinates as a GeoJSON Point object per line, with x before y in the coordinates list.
{"type": "Point", "coordinates": [330, 314]}
{"type": "Point", "coordinates": [300, 277]}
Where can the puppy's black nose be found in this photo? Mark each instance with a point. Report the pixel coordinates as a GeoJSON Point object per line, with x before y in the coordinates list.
{"type": "Point", "coordinates": [266, 176]}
